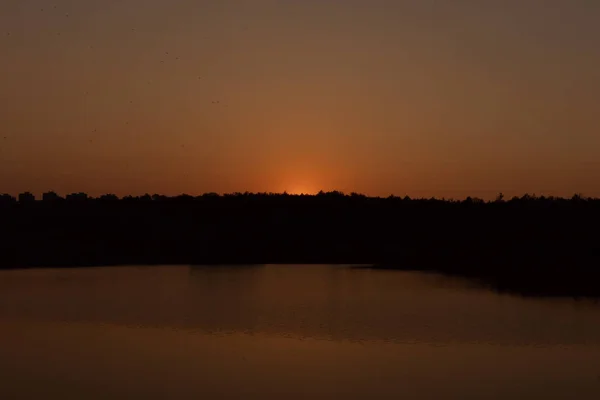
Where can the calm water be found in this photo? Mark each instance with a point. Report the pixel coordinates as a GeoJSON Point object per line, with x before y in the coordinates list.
{"type": "Point", "coordinates": [274, 332]}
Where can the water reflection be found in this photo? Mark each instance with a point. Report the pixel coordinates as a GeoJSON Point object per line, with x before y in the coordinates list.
{"type": "Point", "coordinates": [286, 332]}
{"type": "Point", "coordinates": [325, 302]}
{"type": "Point", "coordinates": [223, 298]}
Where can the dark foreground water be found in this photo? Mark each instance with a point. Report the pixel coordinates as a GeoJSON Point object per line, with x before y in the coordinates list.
{"type": "Point", "coordinates": [286, 332]}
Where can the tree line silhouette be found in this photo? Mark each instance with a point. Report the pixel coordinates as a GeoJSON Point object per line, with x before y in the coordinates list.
{"type": "Point", "coordinates": [548, 243]}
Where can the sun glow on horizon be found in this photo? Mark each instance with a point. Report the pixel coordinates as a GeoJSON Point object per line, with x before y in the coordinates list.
{"type": "Point", "coordinates": [301, 189]}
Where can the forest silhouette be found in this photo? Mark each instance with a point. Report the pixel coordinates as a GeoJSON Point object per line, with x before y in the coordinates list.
{"type": "Point", "coordinates": [535, 245]}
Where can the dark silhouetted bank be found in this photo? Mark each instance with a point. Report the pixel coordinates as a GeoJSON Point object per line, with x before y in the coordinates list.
{"type": "Point", "coordinates": [537, 244]}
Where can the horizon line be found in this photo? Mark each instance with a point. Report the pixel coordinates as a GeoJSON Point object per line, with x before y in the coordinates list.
{"type": "Point", "coordinates": [499, 197]}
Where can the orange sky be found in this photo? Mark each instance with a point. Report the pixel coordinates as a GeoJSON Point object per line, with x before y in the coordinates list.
{"type": "Point", "coordinates": [425, 98]}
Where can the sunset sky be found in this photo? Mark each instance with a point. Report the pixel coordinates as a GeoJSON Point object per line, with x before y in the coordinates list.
{"type": "Point", "coordinates": [421, 97]}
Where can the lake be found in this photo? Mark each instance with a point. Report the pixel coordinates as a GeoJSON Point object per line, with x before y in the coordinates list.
{"type": "Point", "coordinates": [287, 332]}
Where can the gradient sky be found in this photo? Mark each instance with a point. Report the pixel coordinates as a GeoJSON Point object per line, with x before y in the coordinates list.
{"type": "Point", "coordinates": [425, 98]}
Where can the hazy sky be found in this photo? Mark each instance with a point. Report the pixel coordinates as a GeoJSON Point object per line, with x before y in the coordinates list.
{"type": "Point", "coordinates": [423, 97]}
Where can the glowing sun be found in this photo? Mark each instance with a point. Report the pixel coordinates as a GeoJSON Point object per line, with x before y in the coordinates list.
{"type": "Point", "coordinates": [301, 189]}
